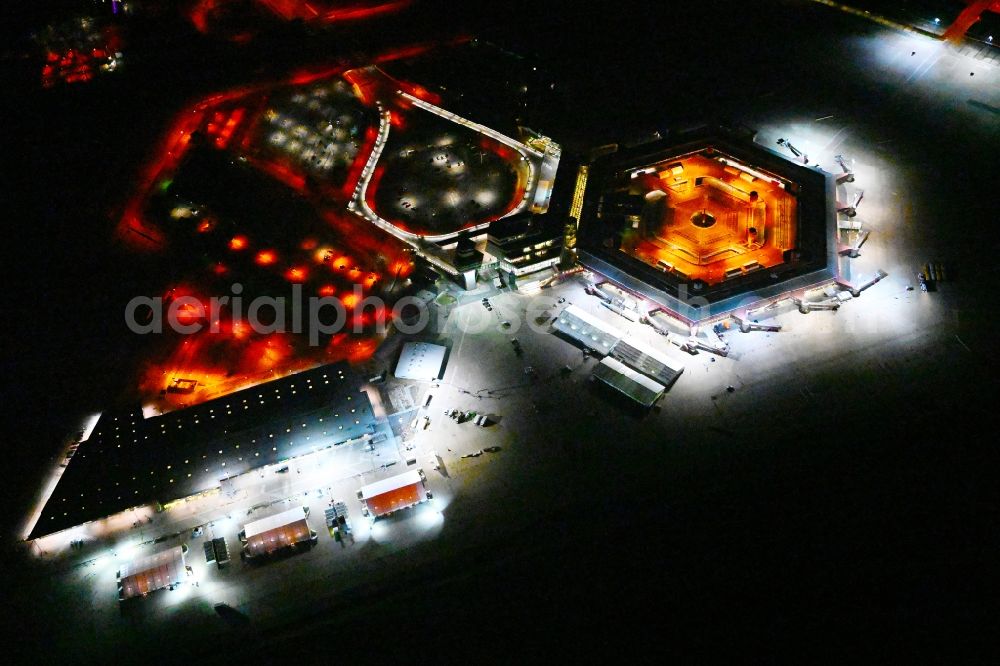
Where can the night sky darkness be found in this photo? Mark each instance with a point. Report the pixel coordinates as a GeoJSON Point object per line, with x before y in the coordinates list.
{"type": "Point", "coordinates": [887, 521]}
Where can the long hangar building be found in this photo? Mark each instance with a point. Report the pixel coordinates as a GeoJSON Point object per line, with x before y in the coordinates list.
{"type": "Point", "coordinates": [130, 461]}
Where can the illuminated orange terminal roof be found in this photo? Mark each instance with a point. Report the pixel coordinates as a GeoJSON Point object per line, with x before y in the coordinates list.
{"type": "Point", "coordinates": [707, 218]}
{"type": "Point", "coordinates": [703, 221]}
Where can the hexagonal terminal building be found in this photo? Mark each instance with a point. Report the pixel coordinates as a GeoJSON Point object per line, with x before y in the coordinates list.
{"type": "Point", "coordinates": [705, 222]}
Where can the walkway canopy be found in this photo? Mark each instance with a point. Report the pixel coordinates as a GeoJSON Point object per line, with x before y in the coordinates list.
{"type": "Point", "coordinates": [627, 381]}
{"type": "Point", "coordinates": [587, 329]}
{"type": "Point", "coordinates": [651, 362]}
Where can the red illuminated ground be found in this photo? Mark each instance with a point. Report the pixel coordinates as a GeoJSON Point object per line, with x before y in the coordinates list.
{"type": "Point", "coordinates": [77, 51]}
{"type": "Point", "coordinates": [706, 219]}
{"type": "Point", "coordinates": [250, 187]}
{"type": "Point", "coordinates": [238, 20]}
{"type": "Point", "coordinates": [332, 11]}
